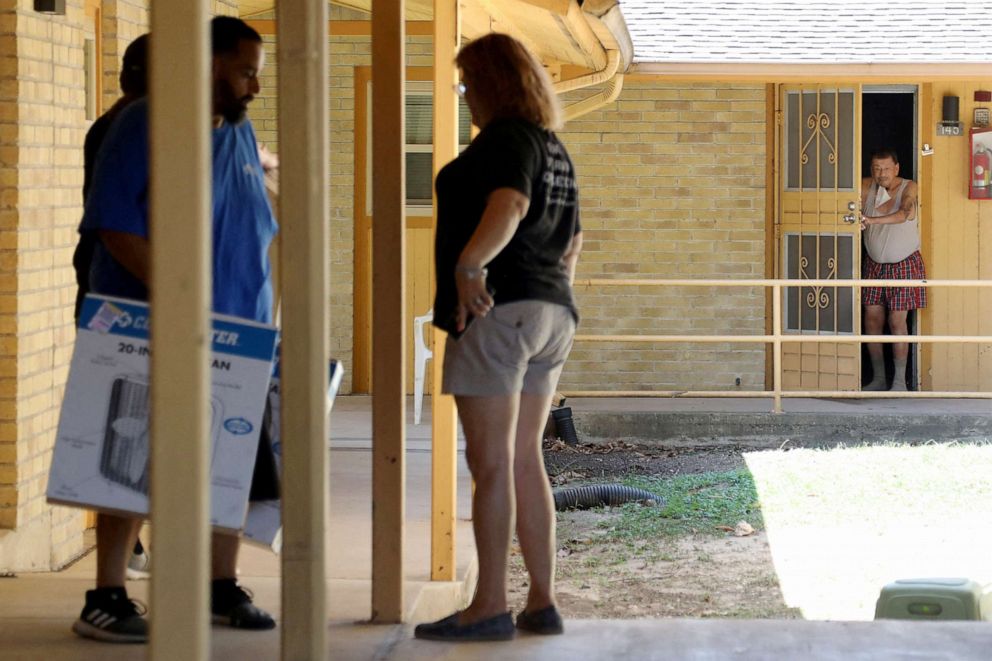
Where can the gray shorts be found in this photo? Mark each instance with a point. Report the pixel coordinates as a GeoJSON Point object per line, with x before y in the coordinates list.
{"type": "Point", "coordinates": [517, 347]}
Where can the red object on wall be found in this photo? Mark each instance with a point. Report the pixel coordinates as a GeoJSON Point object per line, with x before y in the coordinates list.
{"type": "Point", "coordinates": [980, 186]}
{"type": "Point", "coordinates": [983, 95]}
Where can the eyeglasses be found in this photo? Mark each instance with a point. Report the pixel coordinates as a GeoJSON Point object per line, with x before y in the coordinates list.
{"type": "Point", "coordinates": [460, 90]}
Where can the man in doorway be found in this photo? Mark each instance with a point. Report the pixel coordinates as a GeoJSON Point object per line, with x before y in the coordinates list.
{"type": "Point", "coordinates": [890, 224]}
{"type": "Point", "coordinates": [243, 229]}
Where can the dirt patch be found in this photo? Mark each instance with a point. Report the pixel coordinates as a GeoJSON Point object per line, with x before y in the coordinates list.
{"type": "Point", "coordinates": [695, 576]}
{"type": "Point", "coordinates": [704, 574]}
{"type": "Point", "coordinates": [565, 463]}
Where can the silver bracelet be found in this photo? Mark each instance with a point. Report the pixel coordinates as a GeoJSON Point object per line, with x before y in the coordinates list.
{"type": "Point", "coordinates": [472, 272]}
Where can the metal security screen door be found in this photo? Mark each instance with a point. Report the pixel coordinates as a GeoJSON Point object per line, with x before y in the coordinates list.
{"type": "Point", "coordinates": [817, 233]}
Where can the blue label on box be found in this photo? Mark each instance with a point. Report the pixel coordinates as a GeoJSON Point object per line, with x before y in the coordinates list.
{"type": "Point", "coordinates": [115, 316]}
{"type": "Point", "coordinates": [238, 426]}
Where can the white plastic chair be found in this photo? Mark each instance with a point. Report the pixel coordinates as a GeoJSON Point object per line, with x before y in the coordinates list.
{"type": "Point", "coordinates": [421, 354]}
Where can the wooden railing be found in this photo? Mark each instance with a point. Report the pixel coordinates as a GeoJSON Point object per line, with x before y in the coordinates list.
{"type": "Point", "coordinates": [777, 338]}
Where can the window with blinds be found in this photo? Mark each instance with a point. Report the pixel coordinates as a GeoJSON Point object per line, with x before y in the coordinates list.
{"type": "Point", "coordinates": [419, 149]}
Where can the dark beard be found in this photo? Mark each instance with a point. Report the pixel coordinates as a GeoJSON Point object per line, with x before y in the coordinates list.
{"type": "Point", "coordinates": [231, 108]}
{"type": "Point", "coordinates": [234, 114]}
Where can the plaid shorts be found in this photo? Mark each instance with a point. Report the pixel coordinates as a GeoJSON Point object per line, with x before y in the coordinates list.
{"type": "Point", "coordinates": [895, 298]}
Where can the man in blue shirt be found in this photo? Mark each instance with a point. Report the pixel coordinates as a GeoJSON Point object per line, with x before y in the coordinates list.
{"type": "Point", "coordinates": [243, 228]}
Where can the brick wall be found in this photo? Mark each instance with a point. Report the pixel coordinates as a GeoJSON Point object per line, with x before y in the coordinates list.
{"type": "Point", "coordinates": [122, 21]}
{"type": "Point", "coordinates": [41, 214]}
{"type": "Point", "coordinates": [672, 185]}
{"type": "Point", "coordinates": [9, 132]}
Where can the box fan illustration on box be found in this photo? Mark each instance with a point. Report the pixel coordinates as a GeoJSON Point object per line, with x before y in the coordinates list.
{"type": "Point", "coordinates": [124, 457]}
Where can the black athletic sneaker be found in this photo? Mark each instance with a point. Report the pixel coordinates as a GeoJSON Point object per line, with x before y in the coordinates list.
{"type": "Point", "coordinates": [111, 617]}
{"type": "Point", "coordinates": [231, 605]}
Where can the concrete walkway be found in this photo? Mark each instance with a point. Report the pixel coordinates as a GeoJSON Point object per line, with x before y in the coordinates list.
{"type": "Point", "coordinates": [808, 422]}
{"type": "Point", "coordinates": [36, 610]}
{"type": "Point", "coordinates": [723, 640]}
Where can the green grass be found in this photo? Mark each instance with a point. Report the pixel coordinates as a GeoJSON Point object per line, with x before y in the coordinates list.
{"type": "Point", "coordinates": [874, 485]}
{"type": "Point", "coordinates": [694, 504]}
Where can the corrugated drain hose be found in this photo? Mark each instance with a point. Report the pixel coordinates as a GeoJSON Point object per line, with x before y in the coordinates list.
{"type": "Point", "coordinates": [601, 495]}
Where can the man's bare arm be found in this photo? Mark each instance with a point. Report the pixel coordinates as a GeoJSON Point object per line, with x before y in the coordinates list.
{"type": "Point", "coordinates": [905, 212]}
{"type": "Point", "coordinates": [130, 250]}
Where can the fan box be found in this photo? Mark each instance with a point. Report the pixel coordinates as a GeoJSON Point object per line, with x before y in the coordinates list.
{"type": "Point", "coordinates": [102, 448]}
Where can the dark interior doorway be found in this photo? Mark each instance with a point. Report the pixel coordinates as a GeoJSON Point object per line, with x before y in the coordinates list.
{"type": "Point", "coordinates": [888, 121]}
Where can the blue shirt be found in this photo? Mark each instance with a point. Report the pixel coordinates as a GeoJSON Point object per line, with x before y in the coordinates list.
{"type": "Point", "coordinates": [243, 225]}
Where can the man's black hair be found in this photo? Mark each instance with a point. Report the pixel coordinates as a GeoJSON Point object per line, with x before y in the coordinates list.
{"type": "Point", "coordinates": [882, 154]}
{"type": "Point", "coordinates": [227, 32]}
{"type": "Point", "coordinates": [134, 68]}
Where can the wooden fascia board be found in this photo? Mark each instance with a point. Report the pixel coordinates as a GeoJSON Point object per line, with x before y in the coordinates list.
{"type": "Point", "coordinates": [418, 10]}
{"type": "Point", "coordinates": [585, 38]}
{"type": "Point", "coordinates": [267, 27]}
{"type": "Point", "coordinates": [559, 7]}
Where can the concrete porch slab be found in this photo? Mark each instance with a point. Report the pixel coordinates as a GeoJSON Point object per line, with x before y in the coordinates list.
{"type": "Point", "coordinates": [723, 640]}
{"type": "Point", "coordinates": [805, 422]}
{"type": "Point", "coordinates": [37, 609]}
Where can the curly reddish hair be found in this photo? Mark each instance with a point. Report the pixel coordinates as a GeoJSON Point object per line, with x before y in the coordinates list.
{"type": "Point", "coordinates": [509, 81]}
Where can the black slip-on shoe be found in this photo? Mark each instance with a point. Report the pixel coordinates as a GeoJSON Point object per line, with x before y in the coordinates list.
{"type": "Point", "coordinates": [495, 628]}
{"type": "Point", "coordinates": [546, 621]}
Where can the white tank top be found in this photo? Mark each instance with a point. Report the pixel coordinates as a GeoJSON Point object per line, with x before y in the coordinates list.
{"type": "Point", "coordinates": [888, 244]}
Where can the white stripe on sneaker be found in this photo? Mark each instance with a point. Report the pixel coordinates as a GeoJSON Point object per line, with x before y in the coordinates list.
{"type": "Point", "coordinates": [101, 619]}
{"type": "Point", "coordinates": [87, 630]}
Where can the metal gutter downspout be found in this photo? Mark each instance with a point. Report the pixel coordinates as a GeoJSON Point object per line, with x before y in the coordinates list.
{"type": "Point", "coordinates": [608, 75]}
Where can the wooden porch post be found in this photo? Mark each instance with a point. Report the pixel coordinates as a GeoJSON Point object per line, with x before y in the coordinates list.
{"type": "Point", "coordinates": [444, 467]}
{"type": "Point", "coordinates": [303, 214]}
{"type": "Point", "coordinates": [180, 221]}
{"type": "Point", "coordinates": [388, 308]}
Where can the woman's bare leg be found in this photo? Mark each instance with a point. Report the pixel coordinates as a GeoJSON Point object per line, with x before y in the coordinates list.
{"type": "Point", "coordinates": [489, 424]}
{"type": "Point", "coordinates": [535, 505]}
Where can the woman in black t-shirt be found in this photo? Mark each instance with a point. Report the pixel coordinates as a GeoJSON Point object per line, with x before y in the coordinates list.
{"type": "Point", "coordinates": [507, 243]}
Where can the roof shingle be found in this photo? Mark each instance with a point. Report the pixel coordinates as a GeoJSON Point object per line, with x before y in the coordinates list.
{"type": "Point", "coordinates": [809, 31]}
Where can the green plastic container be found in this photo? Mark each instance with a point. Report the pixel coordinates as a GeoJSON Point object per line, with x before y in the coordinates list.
{"type": "Point", "coordinates": [933, 599]}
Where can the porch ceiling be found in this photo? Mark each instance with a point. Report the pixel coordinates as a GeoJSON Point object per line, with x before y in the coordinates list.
{"type": "Point", "coordinates": [416, 10]}
{"type": "Point", "coordinates": [558, 31]}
